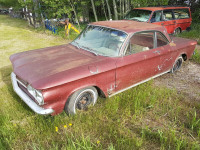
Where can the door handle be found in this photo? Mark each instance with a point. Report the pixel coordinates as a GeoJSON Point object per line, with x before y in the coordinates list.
{"type": "Point", "coordinates": [158, 52]}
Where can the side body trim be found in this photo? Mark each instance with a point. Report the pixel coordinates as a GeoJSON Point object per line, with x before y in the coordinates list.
{"type": "Point", "coordinates": [138, 83]}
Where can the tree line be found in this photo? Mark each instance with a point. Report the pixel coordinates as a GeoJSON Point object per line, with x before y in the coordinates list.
{"type": "Point", "coordinates": [81, 10]}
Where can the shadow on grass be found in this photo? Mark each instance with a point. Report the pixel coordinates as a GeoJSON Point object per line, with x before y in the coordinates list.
{"type": "Point", "coordinates": [6, 20]}
{"type": "Point", "coordinates": [6, 85]}
{"type": "Point", "coordinates": [5, 74]}
{"type": "Point", "coordinates": [6, 79]}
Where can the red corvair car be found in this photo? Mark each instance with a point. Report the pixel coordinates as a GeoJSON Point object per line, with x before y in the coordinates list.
{"type": "Point", "coordinates": [107, 58]}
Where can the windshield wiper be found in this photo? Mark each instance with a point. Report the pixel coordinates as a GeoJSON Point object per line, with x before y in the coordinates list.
{"type": "Point", "coordinates": [77, 45]}
{"type": "Point", "coordinates": [89, 49]}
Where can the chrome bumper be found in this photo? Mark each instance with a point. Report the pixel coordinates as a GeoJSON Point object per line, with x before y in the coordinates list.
{"type": "Point", "coordinates": [36, 108]}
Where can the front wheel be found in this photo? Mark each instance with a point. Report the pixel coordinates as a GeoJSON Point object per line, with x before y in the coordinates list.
{"type": "Point", "coordinates": [81, 99]}
{"type": "Point", "coordinates": [177, 65]}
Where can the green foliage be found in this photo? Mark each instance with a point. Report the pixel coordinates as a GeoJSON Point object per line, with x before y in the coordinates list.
{"type": "Point", "coordinates": [55, 8]}
{"type": "Point", "coordinates": [9, 3]}
{"type": "Point", "coordinates": [194, 33]}
{"type": "Point", "coordinates": [196, 15]}
{"type": "Point", "coordinates": [196, 56]}
{"type": "Point", "coordinates": [145, 3]}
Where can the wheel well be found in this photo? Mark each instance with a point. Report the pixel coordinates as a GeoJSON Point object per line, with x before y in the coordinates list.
{"type": "Point", "coordinates": [180, 29]}
{"type": "Point", "coordinates": [100, 92]}
{"type": "Point", "coordinates": [184, 56]}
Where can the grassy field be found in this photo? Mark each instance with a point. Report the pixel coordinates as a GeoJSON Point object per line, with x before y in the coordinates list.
{"type": "Point", "coordinates": [144, 117]}
{"type": "Point", "coordinates": [192, 34]}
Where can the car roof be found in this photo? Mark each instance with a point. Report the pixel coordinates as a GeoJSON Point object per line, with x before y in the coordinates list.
{"type": "Point", "coordinates": [129, 26]}
{"type": "Point", "coordinates": [160, 8]}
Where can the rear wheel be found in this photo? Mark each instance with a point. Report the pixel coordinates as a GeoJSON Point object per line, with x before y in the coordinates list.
{"type": "Point", "coordinates": [177, 31]}
{"type": "Point", "coordinates": [81, 100]}
{"type": "Point", "coordinates": [177, 65]}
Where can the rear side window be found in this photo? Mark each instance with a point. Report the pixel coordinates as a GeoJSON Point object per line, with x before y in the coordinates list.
{"type": "Point", "coordinates": [161, 39]}
{"type": "Point", "coordinates": [181, 13]}
{"type": "Point", "coordinates": [140, 42]}
{"type": "Point", "coordinates": [157, 16]}
{"type": "Point", "coordinates": [167, 15]}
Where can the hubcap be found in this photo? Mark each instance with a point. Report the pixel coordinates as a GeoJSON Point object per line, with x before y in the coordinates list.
{"type": "Point", "coordinates": [177, 31]}
{"type": "Point", "coordinates": [178, 64]}
{"type": "Point", "coordinates": [84, 100]}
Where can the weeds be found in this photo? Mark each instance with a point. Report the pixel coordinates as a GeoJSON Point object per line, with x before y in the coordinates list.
{"type": "Point", "coordinates": [144, 117]}
{"type": "Point", "coordinates": [196, 56]}
{"type": "Point", "coordinates": [194, 33]}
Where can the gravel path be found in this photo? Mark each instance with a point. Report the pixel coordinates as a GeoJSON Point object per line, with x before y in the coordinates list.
{"type": "Point", "coordinates": [186, 80]}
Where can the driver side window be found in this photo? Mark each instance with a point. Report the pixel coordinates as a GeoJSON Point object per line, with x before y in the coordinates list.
{"type": "Point", "coordinates": [157, 16]}
{"type": "Point", "coordinates": [140, 42]}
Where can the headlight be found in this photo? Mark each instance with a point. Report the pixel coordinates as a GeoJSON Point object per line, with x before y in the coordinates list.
{"type": "Point", "coordinates": [36, 94]}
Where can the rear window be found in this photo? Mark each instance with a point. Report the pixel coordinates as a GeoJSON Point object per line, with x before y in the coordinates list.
{"type": "Point", "coordinates": [140, 42]}
{"type": "Point", "coordinates": [181, 13]}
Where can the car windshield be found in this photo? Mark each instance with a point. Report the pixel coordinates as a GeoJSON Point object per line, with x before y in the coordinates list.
{"type": "Point", "coordinates": [100, 40]}
{"type": "Point", "coordinates": [138, 15]}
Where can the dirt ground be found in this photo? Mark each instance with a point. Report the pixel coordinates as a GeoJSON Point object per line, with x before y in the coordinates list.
{"type": "Point", "coordinates": [186, 80]}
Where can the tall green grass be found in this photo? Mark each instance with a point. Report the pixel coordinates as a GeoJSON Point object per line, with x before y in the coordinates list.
{"type": "Point", "coordinates": [144, 117]}
{"type": "Point", "coordinates": [196, 56]}
{"type": "Point", "coordinates": [194, 33]}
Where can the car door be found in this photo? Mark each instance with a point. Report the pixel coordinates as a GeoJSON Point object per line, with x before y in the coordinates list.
{"type": "Point", "coordinates": [164, 52]}
{"type": "Point", "coordinates": [168, 21]}
{"type": "Point", "coordinates": [140, 61]}
{"type": "Point", "coordinates": [182, 18]}
{"type": "Point", "coordinates": [148, 54]}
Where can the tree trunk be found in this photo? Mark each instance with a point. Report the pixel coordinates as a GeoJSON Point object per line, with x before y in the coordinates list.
{"type": "Point", "coordinates": [120, 8]}
{"type": "Point", "coordinates": [126, 6]}
{"type": "Point", "coordinates": [110, 16]}
{"type": "Point", "coordinates": [75, 14]}
{"type": "Point", "coordinates": [29, 17]}
{"type": "Point", "coordinates": [123, 8]}
{"type": "Point", "coordinates": [115, 10]}
{"type": "Point", "coordinates": [34, 17]}
{"type": "Point", "coordinates": [94, 10]}
{"type": "Point", "coordinates": [104, 10]}
{"type": "Point", "coordinates": [129, 5]}
{"type": "Point", "coordinates": [25, 13]}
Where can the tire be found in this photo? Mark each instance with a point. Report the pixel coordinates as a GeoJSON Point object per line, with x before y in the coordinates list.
{"type": "Point", "coordinates": [177, 31]}
{"type": "Point", "coordinates": [80, 100]}
{"type": "Point", "coordinates": [177, 65]}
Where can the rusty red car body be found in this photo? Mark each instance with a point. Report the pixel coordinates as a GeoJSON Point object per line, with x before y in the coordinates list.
{"type": "Point", "coordinates": [59, 71]}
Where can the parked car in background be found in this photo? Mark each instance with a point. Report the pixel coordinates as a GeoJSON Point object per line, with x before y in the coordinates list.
{"type": "Point", "coordinates": [174, 19]}
{"type": "Point", "coordinates": [107, 58]}
{"type": "Point", "coordinates": [4, 11]}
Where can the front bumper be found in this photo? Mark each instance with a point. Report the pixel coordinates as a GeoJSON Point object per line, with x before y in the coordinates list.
{"type": "Point", "coordinates": [36, 108]}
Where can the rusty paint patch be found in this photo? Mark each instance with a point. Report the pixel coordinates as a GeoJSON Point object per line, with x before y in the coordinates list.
{"type": "Point", "coordinates": [172, 44]}
{"type": "Point", "coordinates": [163, 64]}
{"type": "Point", "coordinates": [93, 69]}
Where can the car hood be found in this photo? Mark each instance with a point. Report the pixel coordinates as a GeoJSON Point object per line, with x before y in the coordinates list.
{"type": "Point", "coordinates": [38, 66]}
